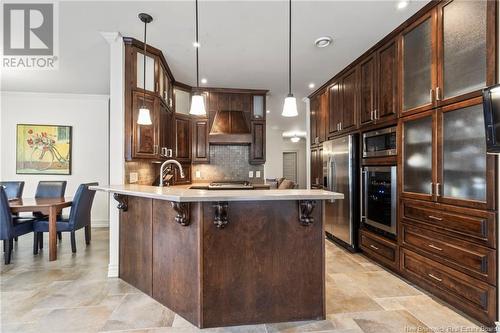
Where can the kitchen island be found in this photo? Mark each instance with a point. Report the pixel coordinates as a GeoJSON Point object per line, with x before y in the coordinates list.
{"type": "Point", "coordinates": [227, 257]}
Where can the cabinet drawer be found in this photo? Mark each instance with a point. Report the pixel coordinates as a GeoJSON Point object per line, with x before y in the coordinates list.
{"type": "Point", "coordinates": [469, 224]}
{"type": "Point", "coordinates": [380, 249]}
{"type": "Point", "coordinates": [466, 257]}
{"type": "Point", "coordinates": [473, 296]}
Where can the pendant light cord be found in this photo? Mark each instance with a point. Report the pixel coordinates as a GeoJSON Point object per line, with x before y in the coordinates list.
{"type": "Point", "coordinates": [197, 47]}
{"type": "Point", "coordinates": [144, 63]}
{"type": "Point", "coordinates": [290, 48]}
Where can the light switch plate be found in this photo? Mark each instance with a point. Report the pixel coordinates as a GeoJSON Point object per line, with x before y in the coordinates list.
{"type": "Point", "coordinates": [250, 174]}
{"type": "Point", "coordinates": [257, 174]}
{"type": "Point", "coordinates": [198, 174]}
{"type": "Point", "coordinates": [134, 177]}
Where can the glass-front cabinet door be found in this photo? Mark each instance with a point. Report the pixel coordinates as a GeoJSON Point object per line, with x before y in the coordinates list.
{"type": "Point", "coordinates": [150, 71]}
{"type": "Point", "coordinates": [417, 157]}
{"type": "Point", "coordinates": [466, 172]}
{"type": "Point", "coordinates": [418, 66]}
{"type": "Point", "coordinates": [463, 55]}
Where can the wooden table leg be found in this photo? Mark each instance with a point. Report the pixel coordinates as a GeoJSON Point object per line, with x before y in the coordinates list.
{"type": "Point", "coordinates": [52, 234]}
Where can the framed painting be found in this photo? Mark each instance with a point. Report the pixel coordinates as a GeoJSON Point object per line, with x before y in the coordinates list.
{"type": "Point", "coordinates": [43, 149]}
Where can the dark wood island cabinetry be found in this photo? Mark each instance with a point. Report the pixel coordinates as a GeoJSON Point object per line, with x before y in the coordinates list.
{"type": "Point", "coordinates": [222, 258]}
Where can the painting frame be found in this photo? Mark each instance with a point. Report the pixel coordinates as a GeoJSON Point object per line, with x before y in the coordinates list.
{"type": "Point", "coordinates": [55, 155]}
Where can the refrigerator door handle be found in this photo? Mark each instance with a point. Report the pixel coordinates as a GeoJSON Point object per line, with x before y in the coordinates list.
{"type": "Point", "coordinates": [331, 175]}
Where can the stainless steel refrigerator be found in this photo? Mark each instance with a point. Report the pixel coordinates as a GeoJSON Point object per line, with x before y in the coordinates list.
{"type": "Point", "coordinates": [341, 174]}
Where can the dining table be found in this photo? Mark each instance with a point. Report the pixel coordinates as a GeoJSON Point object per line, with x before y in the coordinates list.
{"type": "Point", "coordinates": [47, 206]}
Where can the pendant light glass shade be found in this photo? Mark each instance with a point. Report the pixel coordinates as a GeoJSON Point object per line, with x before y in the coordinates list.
{"type": "Point", "coordinates": [197, 105]}
{"type": "Point", "coordinates": [144, 117]}
{"type": "Point", "coordinates": [290, 107]}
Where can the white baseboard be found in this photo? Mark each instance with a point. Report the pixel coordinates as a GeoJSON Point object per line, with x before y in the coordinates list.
{"type": "Point", "coordinates": [100, 223]}
{"type": "Point", "coordinates": [112, 271]}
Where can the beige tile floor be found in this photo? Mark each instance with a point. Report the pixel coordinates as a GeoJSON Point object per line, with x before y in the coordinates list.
{"type": "Point", "coordinates": [73, 294]}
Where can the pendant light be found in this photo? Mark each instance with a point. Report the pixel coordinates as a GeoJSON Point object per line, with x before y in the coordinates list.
{"type": "Point", "coordinates": [144, 117]}
{"type": "Point", "coordinates": [290, 105]}
{"type": "Point", "coordinates": [197, 102]}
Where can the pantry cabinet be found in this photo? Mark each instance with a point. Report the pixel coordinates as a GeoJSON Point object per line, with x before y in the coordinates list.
{"type": "Point", "coordinates": [448, 55]}
{"type": "Point", "coordinates": [443, 157]}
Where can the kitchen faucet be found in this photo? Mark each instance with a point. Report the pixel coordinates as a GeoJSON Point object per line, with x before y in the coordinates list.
{"type": "Point", "coordinates": [164, 164]}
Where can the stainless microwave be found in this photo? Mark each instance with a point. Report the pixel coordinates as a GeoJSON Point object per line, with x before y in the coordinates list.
{"type": "Point", "coordinates": [380, 142]}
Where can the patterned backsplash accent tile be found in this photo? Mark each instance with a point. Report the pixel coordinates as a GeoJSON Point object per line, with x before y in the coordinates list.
{"type": "Point", "coordinates": [228, 162]}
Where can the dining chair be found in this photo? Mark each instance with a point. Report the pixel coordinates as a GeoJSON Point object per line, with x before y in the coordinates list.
{"type": "Point", "coordinates": [9, 227]}
{"type": "Point", "coordinates": [49, 189]}
{"type": "Point", "coordinates": [13, 189]}
{"type": "Point", "coordinates": [79, 217]}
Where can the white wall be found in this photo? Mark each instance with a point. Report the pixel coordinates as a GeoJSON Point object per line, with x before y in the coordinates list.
{"type": "Point", "coordinates": [88, 114]}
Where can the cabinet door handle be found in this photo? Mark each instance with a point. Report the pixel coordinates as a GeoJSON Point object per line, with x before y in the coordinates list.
{"type": "Point", "coordinates": [435, 277]}
{"type": "Point", "coordinates": [376, 114]}
{"type": "Point", "coordinates": [432, 246]}
{"type": "Point", "coordinates": [371, 115]}
{"type": "Point", "coordinates": [438, 189]}
{"type": "Point", "coordinates": [155, 149]}
{"type": "Point", "coordinates": [431, 95]}
{"type": "Point", "coordinates": [438, 94]}
{"type": "Point", "coordinates": [374, 247]}
{"type": "Point", "coordinates": [432, 217]}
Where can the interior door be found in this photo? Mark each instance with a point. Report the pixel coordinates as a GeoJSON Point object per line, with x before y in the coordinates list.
{"type": "Point", "coordinates": [418, 65]}
{"type": "Point", "coordinates": [417, 156]}
{"type": "Point", "coordinates": [463, 49]}
{"type": "Point", "coordinates": [290, 166]}
{"type": "Point", "coordinates": [465, 172]}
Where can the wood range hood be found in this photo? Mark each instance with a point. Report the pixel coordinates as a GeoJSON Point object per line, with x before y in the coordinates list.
{"type": "Point", "coordinates": [230, 127]}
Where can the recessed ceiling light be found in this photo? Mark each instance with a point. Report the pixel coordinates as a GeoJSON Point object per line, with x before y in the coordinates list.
{"type": "Point", "coordinates": [323, 41]}
{"type": "Point", "coordinates": [267, 111]}
{"type": "Point", "coordinates": [311, 85]}
{"type": "Point", "coordinates": [295, 139]}
{"type": "Point", "coordinates": [204, 81]}
{"type": "Point", "coordinates": [196, 44]}
{"type": "Point", "coordinates": [403, 4]}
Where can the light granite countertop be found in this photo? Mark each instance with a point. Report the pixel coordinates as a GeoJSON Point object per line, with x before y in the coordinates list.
{"type": "Point", "coordinates": [186, 194]}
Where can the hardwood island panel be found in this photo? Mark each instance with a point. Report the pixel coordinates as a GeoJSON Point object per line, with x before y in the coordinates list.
{"type": "Point", "coordinates": [263, 266]}
{"type": "Point", "coordinates": [136, 243]}
{"type": "Point", "coordinates": [176, 259]}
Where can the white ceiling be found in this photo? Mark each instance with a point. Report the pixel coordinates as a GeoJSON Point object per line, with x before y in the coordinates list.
{"type": "Point", "coordinates": [243, 44]}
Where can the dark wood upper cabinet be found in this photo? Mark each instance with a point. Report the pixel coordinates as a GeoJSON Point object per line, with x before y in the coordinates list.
{"type": "Point", "coordinates": [167, 137]}
{"type": "Point", "coordinates": [387, 82]}
{"type": "Point", "coordinates": [314, 111]}
{"type": "Point", "coordinates": [466, 49]}
{"type": "Point", "coordinates": [322, 120]}
{"type": "Point", "coordinates": [201, 151]}
{"type": "Point", "coordinates": [418, 64]}
{"type": "Point", "coordinates": [145, 138]}
{"type": "Point", "coordinates": [258, 145]}
{"type": "Point", "coordinates": [367, 89]}
{"type": "Point", "coordinates": [349, 101]}
{"type": "Point", "coordinates": [183, 138]}
{"type": "Point", "coordinates": [335, 108]}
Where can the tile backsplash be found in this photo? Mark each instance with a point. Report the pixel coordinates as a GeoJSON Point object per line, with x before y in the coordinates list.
{"type": "Point", "coordinates": [228, 162]}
